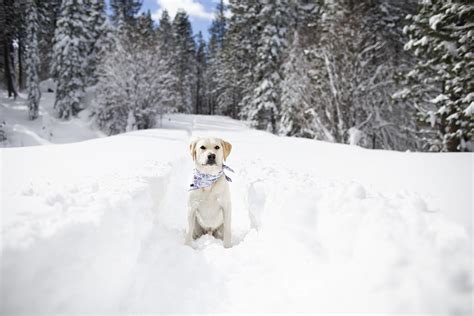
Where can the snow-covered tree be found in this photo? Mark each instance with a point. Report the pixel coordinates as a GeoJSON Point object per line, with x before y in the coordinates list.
{"type": "Point", "coordinates": [263, 110]}
{"type": "Point", "coordinates": [201, 68]}
{"type": "Point", "coordinates": [19, 25]}
{"type": "Point", "coordinates": [217, 35]}
{"type": "Point", "coordinates": [32, 61]}
{"type": "Point", "coordinates": [145, 30]}
{"type": "Point", "coordinates": [297, 117]}
{"type": "Point", "coordinates": [337, 85]}
{"type": "Point", "coordinates": [125, 10]}
{"type": "Point", "coordinates": [355, 60]}
{"type": "Point", "coordinates": [441, 36]}
{"type": "Point", "coordinates": [129, 94]}
{"type": "Point", "coordinates": [224, 82]}
{"type": "Point", "coordinates": [100, 35]}
{"type": "Point", "coordinates": [218, 66]}
{"type": "Point", "coordinates": [218, 27]}
{"type": "Point", "coordinates": [184, 62]}
{"type": "Point", "coordinates": [48, 14]}
{"type": "Point", "coordinates": [70, 53]}
{"type": "Point", "coordinates": [239, 58]}
{"type": "Point", "coordinates": [166, 48]}
{"type": "Point", "coordinates": [165, 33]}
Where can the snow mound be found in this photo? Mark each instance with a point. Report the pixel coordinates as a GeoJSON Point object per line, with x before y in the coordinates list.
{"type": "Point", "coordinates": [317, 227]}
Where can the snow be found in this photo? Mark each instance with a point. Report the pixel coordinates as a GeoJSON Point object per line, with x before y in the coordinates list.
{"type": "Point", "coordinates": [450, 47]}
{"type": "Point", "coordinates": [441, 97]}
{"type": "Point", "coordinates": [48, 86]}
{"type": "Point", "coordinates": [432, 118]}
{"type": "Point", "coordinates": [400, 94]}
{"type": "Point", "coordinates": [98, 227]}
{"type": "Point", "coordinates": [470, 109]}
{"type": "Point", "coordinates": [435, 19]}
{"type": "Point", "coordinates": [47, 129]}
{"type": "Point", "coordinates": [355, 135]}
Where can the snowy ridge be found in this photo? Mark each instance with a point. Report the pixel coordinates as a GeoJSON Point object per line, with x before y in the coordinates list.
{"type": "Point", "coordinates": [100, 228]}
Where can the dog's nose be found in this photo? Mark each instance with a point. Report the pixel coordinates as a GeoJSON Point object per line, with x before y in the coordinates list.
{"type": "Point", "coordinates": [211, 157]}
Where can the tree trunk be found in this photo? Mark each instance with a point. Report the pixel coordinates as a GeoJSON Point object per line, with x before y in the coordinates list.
{"type": "Point", "coordinates": [21, 77]}
{"type": "Point", "coordinates": [197, 95]}
{"type": "Point", "coordinates": [8, 49]}
{"type": "Point", "coordinates": [211, 104]}
{"type": "Point", "coordinates": [2, 37]}
{"type": "Point", "coordinates": [453, 143]}
{"type": "Point", "coordinates": [10, 71]}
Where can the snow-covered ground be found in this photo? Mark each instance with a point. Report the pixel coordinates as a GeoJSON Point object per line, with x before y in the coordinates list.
{"type": "Point", "coordinates": [98, 226]}
{"type": "Point", "coordinates": [47, 129]}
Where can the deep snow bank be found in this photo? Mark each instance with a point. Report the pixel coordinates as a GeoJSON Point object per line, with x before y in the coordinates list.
{"type": "Point", "coordinates": [98, 226]}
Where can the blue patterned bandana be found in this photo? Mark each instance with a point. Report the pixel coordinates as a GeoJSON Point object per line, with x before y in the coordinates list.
{"type": "Point", "coordinates": [204, 180]}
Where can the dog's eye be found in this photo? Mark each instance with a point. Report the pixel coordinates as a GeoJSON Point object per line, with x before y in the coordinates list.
{"type": "Point", "coordinates": [202, 147]}
{"type": "Point", "coordinates": [217, 147]}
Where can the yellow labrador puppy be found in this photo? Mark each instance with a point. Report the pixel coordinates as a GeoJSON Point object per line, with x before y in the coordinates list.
{"type": "Point", "coordinates": [209, 204]}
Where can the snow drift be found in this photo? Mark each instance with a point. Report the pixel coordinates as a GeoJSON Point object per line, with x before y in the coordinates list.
{"type": "Point", "coordinates": [98, 226]}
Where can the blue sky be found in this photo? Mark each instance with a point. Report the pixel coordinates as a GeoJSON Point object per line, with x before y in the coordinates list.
{"type": "Point", "coordinates": [200, 12]}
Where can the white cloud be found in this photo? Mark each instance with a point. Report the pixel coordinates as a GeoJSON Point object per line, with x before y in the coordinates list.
{"type": "Point", "coordinates": [192, 8]}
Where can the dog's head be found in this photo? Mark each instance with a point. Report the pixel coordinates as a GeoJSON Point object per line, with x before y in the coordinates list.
{"type": "Point", "coordinates": [209, 153]}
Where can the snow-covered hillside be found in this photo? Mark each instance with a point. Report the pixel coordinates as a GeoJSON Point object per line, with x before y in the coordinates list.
{"type": "Point", "coordinates": [98, 226]}
{"type": "Point", "coordinates": [47, 129]}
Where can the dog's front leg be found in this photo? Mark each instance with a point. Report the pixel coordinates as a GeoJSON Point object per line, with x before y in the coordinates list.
{"type": "Point", "coordinates": [191, 225]}
{"type": "Point", "coordinates": [227, 210]}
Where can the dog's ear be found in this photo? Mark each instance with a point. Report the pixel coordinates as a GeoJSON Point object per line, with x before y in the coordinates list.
{"type": "Point", "coordinates": [192, 148]}
{"type": "Point", "coordinates": [227, 147]}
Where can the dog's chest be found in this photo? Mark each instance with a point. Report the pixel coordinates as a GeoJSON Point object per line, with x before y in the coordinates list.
{"type": "Point", "coordinates": [209, 210]}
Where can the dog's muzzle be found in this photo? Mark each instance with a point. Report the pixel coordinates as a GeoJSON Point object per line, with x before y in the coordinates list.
{"type": "Point", "coordinates": [211, 159]}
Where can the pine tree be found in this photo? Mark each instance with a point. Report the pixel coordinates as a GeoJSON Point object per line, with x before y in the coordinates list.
{"type": "Point", "coordinates": [265, 105]}
{"type": "Point", "coordinates": [48, 13]}
{"type": "Point", "coordinates": [355, 58]}
{"type": "Point", "coordinates": [218, 27]}
{"type": "Point", "coordinates": [110, 110]}
{"type": "Point", "coordinates": [239, 58]}
{"type": "Point", "coordinates": [129, 91]}
{"type": "Point", "coordinates": [297, 117]}
{"type": "Point", "coordinates": [69, 57]}
{"type": "Point", "coordinates": [19, 26]}
{"type": "Point", "coordinates": [346, 56]}
{"type": "Point", "coordinates": [184, 62]}
{"type": "Point", "coordinates": [32, 61]}
{"type": "Point", "coordinates": [99, 31]}
{"type": "Point", "coordinates": [216, 67]}
{"type": "Point", "coordinates": [144, 32]}
{"type": "Point", "coordinates": [201, 84]}
{"type": "Point", "coordinates": [148, 80]}
{"type": "Point", "coordinates": [169, 80]}
{"type": "Point", "coordinates": [211, 73]}
{"type": "Point", "coordinates": [125, 10]}
{"type": "Point", "coordinates": [441, 36]}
